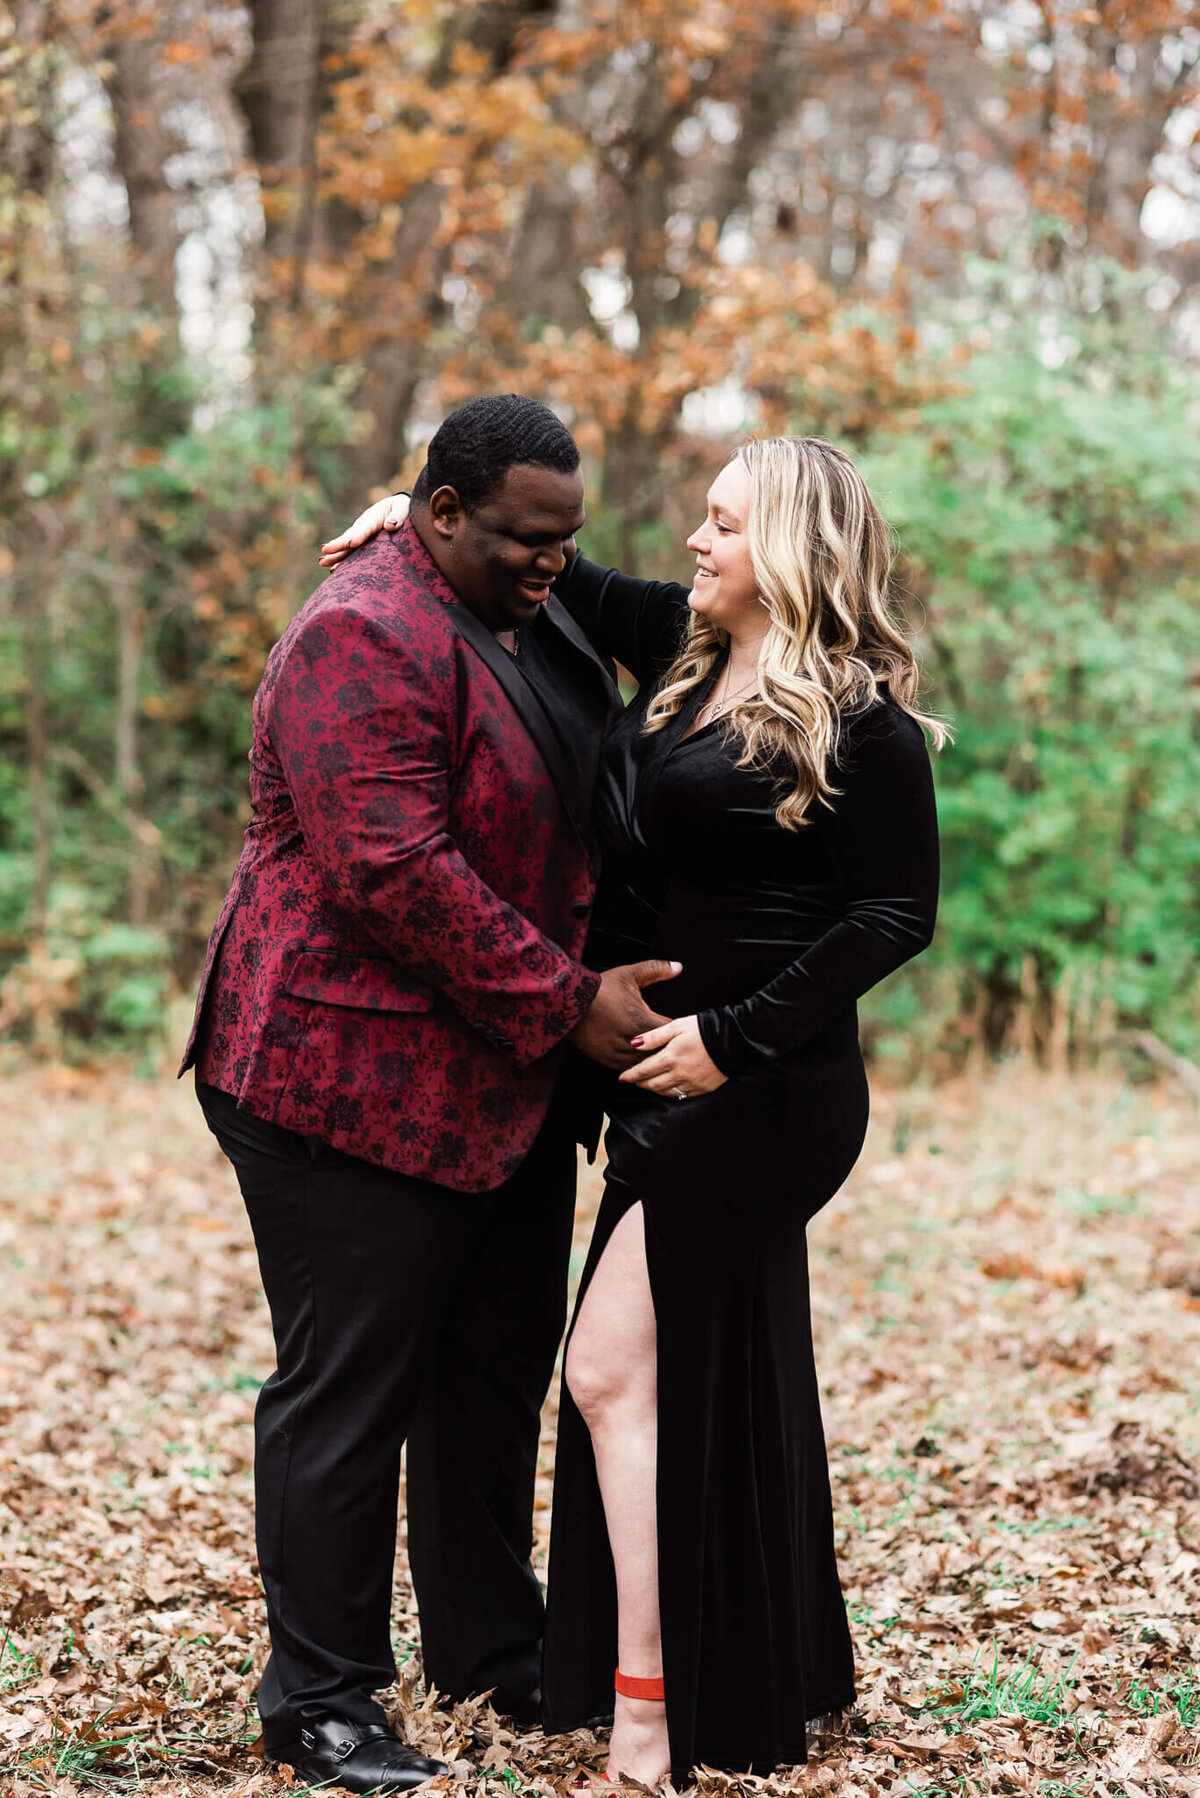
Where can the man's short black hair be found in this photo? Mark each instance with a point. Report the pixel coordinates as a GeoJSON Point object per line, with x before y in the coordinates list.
{"type": "Point", "coordinates": [475, 447]}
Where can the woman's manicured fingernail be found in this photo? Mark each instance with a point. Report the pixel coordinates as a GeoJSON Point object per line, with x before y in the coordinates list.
{"type": "Point", "coordinates": [635, 1042]}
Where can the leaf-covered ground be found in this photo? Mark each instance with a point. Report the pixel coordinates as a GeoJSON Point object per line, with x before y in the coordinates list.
{"type": "Point", "coordinates": [1007, 1304]}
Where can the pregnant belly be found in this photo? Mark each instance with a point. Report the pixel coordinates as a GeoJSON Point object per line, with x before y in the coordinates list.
{"type": "Point", "coordinates": [732, 941]}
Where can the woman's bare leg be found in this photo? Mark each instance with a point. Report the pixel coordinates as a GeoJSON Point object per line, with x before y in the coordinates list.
{"type": "Point", "coordinates": [611, 1373]}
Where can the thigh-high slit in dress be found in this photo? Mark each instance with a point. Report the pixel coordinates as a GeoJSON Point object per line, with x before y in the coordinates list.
{"type": "Point", "coordinates": [779, 933]}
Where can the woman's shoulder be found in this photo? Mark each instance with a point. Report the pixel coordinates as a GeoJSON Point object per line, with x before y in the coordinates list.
{"type": "Point", "coordinates": [880, 730]}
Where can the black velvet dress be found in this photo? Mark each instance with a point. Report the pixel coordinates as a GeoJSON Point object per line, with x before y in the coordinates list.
{"type": "Point", "coordinates": [779, 933]}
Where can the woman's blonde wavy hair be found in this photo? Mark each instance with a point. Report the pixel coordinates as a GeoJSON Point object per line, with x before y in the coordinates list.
{"type": "Point", "coordinates": [822, 557]}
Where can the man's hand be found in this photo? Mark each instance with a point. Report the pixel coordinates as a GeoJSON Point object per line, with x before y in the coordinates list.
{"type": "Point", "coordinates": [384, 515]}
{"type": "Point", "coordinates": [618, 1012]}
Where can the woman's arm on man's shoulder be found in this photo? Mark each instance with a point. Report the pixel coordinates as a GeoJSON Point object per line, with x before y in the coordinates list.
{"type": "Point", "coordinates": [639, 623]}
{"type": "Point", "coordinates": [385, 515]}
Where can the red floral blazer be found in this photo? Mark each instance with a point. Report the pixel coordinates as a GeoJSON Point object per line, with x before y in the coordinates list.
{"type": "Point", "coordinates": [397, 959]}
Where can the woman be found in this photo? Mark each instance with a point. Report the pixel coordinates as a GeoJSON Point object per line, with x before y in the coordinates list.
{"type": "Point", "coordinates": [766, 815]}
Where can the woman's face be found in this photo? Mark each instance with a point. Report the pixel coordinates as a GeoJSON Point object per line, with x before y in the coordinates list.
{"type": "Point", "coordinates": [724, 590]}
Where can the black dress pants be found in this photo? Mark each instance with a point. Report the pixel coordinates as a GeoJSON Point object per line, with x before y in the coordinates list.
{"type": "Point", "coordinates": [400, 1309]}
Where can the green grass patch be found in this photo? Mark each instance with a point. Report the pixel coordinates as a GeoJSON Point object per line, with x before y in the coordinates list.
{"type": "Point", "coordinates": [1183, 1694]}
{"type": "Point", "coordinates": [863, 1617]}
{"type": "Point", "coordinates": [17, 1667]}
{"type": "Point", "coordinates": [1026, 1691]}
{"type": "Point", "coordinates": [943, 1788]}
{"type": "Point", "coordinates": [90, 1755]}
{"type": "Point", "coordinates": [1040, 1526]}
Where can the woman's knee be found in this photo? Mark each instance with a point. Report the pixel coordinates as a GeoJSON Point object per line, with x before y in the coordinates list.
{"type": "Point", "coordinates": [606, 1377]}
{"type": "Point", "coordinates": [610, 1365]}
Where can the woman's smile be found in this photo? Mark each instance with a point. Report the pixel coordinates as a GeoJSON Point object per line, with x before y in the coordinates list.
{"type": "Point", "coordinates": [721, 547]}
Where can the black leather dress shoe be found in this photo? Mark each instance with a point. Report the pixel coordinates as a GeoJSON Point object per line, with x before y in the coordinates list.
{"type": "Point", "coordinates": [361, 1757]}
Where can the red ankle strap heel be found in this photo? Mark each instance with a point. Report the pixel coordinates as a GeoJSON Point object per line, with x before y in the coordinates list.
{"type": "Point", "coordinates": [630, 1687]}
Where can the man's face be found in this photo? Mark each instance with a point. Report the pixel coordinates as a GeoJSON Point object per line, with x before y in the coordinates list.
{"type": "Point", "coordinates": [501, 558]}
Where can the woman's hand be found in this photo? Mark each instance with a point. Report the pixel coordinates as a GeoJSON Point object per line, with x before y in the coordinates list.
{"type": "Point", "coordinates": [384, 515]}
{"type": "Point", "coordinates": [677, 1063]}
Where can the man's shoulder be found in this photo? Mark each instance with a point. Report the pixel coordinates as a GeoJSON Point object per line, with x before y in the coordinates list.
{"type": "Point", "coordinates": [376, 599]}
{"type": "Point", "coordinates": [381, 581]}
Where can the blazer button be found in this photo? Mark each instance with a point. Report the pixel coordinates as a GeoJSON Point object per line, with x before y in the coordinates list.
{"type": "Point", "coordinates": [580, 909]}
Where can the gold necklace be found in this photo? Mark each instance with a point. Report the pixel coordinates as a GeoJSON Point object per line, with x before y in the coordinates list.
{"type": "Point", "coordinates": [715, 708]}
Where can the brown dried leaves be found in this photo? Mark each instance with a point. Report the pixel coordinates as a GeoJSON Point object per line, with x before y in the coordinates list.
{"type": "Point", "coordinates": [1009, 1353]}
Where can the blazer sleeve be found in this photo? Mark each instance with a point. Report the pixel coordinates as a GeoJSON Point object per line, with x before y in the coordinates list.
{"type": "Point", "coordinates": [638, 623]}
{"type": "Point", "coordinates": [364, 733]}
{"type": "Point", "coordinates": [885, 851]}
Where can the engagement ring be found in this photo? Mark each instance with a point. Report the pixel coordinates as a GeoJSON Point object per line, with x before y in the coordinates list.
{"type": "Point", "coordinates": [679, 1092]}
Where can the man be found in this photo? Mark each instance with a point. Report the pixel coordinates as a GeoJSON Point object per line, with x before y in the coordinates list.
{"type": "Point", "coordinates": [377, 1039]}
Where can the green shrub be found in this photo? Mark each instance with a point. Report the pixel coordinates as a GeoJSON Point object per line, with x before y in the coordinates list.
{"type": "Point", "coordinates": [1049, 515]}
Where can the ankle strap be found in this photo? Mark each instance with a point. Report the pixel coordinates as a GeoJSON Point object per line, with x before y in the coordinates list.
{"type": "Point", "coordinates": [629, 1686]}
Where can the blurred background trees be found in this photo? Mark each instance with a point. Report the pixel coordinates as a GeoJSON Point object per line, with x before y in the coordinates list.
{"type": "Point", "coordinates": [250, 255]}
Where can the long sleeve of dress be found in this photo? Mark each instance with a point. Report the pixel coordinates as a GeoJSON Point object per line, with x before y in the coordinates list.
{"type": "Point", "coordinates": [885, 854]}
{"type": "Point", "coordinates": [639, 623]}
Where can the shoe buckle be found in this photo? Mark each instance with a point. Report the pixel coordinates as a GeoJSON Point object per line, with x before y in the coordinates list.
{"type": "Point", "coordinates": [307, 1738]}
{"type": "Point", "coordinates": [345, 1749]}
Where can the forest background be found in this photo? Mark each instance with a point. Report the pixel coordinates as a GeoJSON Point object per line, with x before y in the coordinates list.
{"type": "Point", "coordinates": [251, 254]}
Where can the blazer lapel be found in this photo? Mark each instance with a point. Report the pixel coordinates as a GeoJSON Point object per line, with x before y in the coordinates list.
{"type": "Point", "coordinates": [574, 784]}
{"type": "Point", "coordinates": [524, 702]}
{"type": "Point", "coordinates": [559, 616]}
{"type": "Point", "coordinates": [596, 703]}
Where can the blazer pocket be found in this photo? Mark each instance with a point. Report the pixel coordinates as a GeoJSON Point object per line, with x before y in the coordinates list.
{"type": "Point", "coordinates": [337, 977]}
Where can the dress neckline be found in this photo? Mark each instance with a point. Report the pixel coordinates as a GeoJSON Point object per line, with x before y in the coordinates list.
{"type": "Point", "coordinates": [696, 703]}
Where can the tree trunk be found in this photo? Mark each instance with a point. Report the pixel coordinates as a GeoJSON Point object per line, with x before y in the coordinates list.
{"type": "Point", "coordinates": [280, 94]}
{"type": "Point", "coordinates": [409, 298]}
{"type": "Point", "coordinates": [1126, 134]}
{"type": "Point", "coordinates": [143, 143]}
{"type": "Point", "coordinates": [397, 360]}
{"type": "Point", "coordinates": [28, 155]}
{"type": "Point", "coordinates": [31, 622]}
{"type": "Point", "coordinates": [128, 780]}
